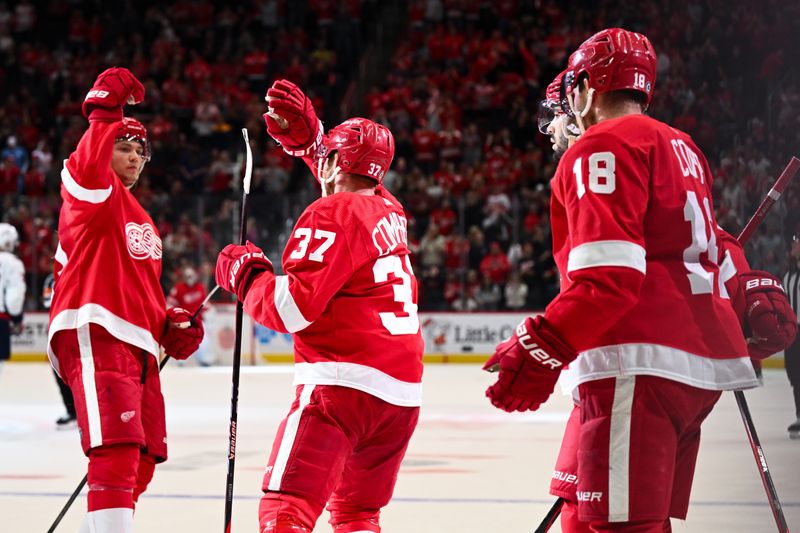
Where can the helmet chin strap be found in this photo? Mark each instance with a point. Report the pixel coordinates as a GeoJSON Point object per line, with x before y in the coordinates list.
{"type": "Point", "coordinates": [582, 113]}
{"type": "Point", "coordinates": [323, 181]}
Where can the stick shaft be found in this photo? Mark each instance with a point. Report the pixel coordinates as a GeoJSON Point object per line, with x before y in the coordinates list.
{"type": "Point", "coordinates": [769, 200]}
{"type": "Point", "coordinates": [237, 352]}
{"type": "Point", "coordinates": [752, 436]}
{"type": "Point", "coordinates": [551, 516]}
{"type": "Point", "coordinates": [71, 499]}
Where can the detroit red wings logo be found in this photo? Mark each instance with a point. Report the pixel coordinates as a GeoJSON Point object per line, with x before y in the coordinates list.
{"type": "Point", "coordinates": [143, 241]}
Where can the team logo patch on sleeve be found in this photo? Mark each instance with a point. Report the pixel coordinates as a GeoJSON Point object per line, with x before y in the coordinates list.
{"type": "Point", "coordinates": [143, 241]}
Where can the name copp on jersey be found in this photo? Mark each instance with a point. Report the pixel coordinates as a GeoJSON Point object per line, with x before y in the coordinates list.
{"type": "Point", "coordinates": [349, 296]}
{"type": "Point", "coordinates": [633, 221]}
{"type": "Point", "coordinates": [108, 262]}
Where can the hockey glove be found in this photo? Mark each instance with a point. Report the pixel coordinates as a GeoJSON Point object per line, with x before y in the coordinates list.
{"type": "Point", "coordinates": [236, 266]}
{"type": "Point", "coordinates": [112, 89]}
{"type": "Point", "coordinates": [529, 364]}
{"type": "Point", "coordinates": [291, 119]}
{"type": "Point", "coordinates": [17, 327]}
{"type": "Point", "coordinates": [182, 335]}
{"type": "Point", "coordinates": [768, 315]}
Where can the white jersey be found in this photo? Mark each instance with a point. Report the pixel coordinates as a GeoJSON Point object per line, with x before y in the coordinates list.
{"type": "Point", "coordinates": [12, 285]}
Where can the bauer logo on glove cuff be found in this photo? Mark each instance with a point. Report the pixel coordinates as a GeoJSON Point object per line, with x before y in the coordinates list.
{"type": "Point", "coordinates": [96, 93]}
{"type": "Point", "coordinates": [239, 262]}
{"type": "Point", "coordinates": [539, 355]}
{"type": "Point", "coordinates": [763, 282]}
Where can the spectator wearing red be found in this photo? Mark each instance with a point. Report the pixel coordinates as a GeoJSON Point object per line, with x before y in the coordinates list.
{"type": "Point", "coordinates": [495, 265]}
{"type": "Point", "coordinates": [426, 145]}
{"type": "Point", "coordinates": [444, 217]}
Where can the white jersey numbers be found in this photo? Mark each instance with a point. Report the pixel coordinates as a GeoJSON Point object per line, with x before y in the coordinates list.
{"type": "Point", "coordinates": [304, 234]}
{"type": "Point", "coordinates": [602, 179]}
{"type": "Point", "coordinates": [393, 264]}
{"type": "Point", "coordinates": [703, 241]}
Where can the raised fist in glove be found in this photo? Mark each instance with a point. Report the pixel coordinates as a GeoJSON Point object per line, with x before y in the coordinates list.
{"type": "Point", "coordinates": [237, 264]}
{"type": "Point", "coordinates": [291, 119]}
{"type": "Point", "coordinates": [182, 335]}
{"type": "Point", "coordinates": [112, 89]}
{"type": "Point", "coordinates": [769, 318]}
{"type": "Point", "coordinates": [529, 364]}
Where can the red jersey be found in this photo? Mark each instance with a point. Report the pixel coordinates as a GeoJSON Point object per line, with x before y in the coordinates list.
{"type": "Point", "coordinates": [188, 297]}
{"type": "Point", "coordinates": [636, 242]}
{"type": "Point", "coordinates": [349, 296]}
{"type": "Point", "coordinates": [108, 262]}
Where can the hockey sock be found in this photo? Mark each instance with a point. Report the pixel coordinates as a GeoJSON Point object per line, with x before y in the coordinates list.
{"type": "Point", "coordinates": [112, 476]}
{"type": "Point", "coordinates": [147, 466]}
{"type": "Point", "coordinates": [284, 513]}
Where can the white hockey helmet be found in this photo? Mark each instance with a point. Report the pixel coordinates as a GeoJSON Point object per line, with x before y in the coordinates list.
{"type": "Point", "coordinates": [8, 237]}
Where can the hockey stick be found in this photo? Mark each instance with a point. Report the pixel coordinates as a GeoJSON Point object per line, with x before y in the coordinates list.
{"type": "Point", "coordinates": [82, 484]}
{"type": "Point", "coordinates": [551, 516]}
{"type": "Point", "coordinates": [755, 444]}
{"type": "Point", "coordinates": [237, 348]}
{"type": "Point", "coordinates": [772, 495]}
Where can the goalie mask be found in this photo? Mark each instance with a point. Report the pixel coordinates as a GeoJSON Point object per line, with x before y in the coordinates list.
{"type": "Point", "coordinates": [8, 237]}
{"type": "Point", "coordinates": [134, 131]}
{"type": "Point", "coordinates": [361, 146]}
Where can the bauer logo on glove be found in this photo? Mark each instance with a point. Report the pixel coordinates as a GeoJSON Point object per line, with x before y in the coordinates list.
{"type": "Point", "coordinates": [535, 351]}
{"type": "Point", "coordinates": [246, 258]}
{"type": "Point", "coordinates": [763, 282]}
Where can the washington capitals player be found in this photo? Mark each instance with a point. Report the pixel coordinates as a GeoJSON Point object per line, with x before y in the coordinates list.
{"type": "Point", "coordinates": [107, 316]}
{"type": "Point", "coordinates": [12, 289]}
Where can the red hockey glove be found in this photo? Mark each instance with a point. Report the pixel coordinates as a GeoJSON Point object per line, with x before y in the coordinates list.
{"type": "Point", "coordinates": [768, 315]}
{"type": "Point", "coordinates": [236, 266]}
{"type": "Point", "coordinates": [291, 119]}
{"type": "Point", "coordinates": [112, 89]}
{"type": "Point", "coordinates": [529, 363]}
{"type": "Point", "coordinates": [182, 335]}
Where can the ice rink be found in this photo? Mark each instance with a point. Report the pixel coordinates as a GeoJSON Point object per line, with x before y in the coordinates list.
{"type": "Point", "coordinates": [470, 468]}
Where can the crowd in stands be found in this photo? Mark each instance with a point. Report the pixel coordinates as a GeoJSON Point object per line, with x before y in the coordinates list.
{"type": "Point", "coordinates": [460, 94]}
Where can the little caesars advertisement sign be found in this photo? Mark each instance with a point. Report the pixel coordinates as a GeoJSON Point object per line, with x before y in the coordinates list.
{"type": "Point", "coordinates": [466, 337]}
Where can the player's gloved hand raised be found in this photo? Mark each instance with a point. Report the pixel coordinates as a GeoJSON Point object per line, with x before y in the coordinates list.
{"type": "Point", "coordinates": [291, 119]}
{"type": "Point", "coordinates": [112, 89]}
{"type": "Point", "coordinates": [182, 335]}
{"type": "Point", "coordinates": [237, 264]}
{"type": "Point", "coordinates": [769, 318]}
{"type": "Point", "coordinates": [529, 364]}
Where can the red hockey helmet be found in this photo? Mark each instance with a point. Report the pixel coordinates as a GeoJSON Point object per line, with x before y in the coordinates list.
{"type": "Point", "coordinates": [614, 59]}
{"type": "Point", "coordinates": [365, 147]}
{"type": "Point", "coordinates": [132, 130]}
{"type": "Point", "coordinates": [551, 106]}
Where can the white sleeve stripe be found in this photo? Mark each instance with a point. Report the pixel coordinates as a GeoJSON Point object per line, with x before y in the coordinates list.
{"type": "Point", "coordinates": [61, 256]}
{"type": "Point", "coordinates": [93, 196]}
{"type": "Point", "coordinates": [293, 319]}
{"type": "Point", "coordinates": [607, 253]}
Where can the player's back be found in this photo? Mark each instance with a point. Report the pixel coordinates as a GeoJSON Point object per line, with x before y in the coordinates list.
{"type": "Point", "coordinates": [349, 273]}
{"type": "Point", "coordinates": [642, 193]}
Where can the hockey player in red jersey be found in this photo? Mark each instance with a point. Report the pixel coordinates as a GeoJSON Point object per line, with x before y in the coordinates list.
{"type": "Point", "coordinates": [108, 314]}
{"type": "Point", "coordinates": [644, 319]}
{"type": "Point", "coordinates": [349, 296]}
{"type": "Point", "coordinates": [189, 294]}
